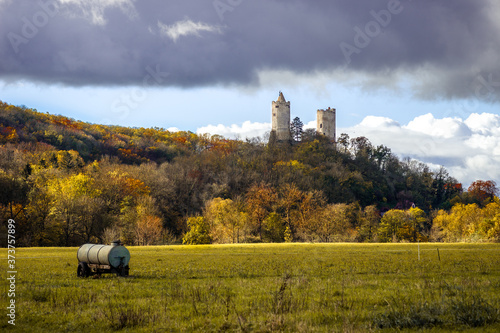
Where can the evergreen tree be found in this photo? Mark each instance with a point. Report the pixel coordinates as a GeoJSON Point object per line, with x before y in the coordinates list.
{"type": "Point", "coordinates": [297, 129]}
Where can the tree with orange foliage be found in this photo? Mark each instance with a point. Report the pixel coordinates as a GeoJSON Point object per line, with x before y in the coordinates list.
{"type": "Point", "coordinates": [483, 190]}
{"type": "Point", "coordinates": [290, 198]}
{"type": "Point", "coordinates": [148, 230]}
{"type": "Point", "coordinates": [260, 201]}
{"type": "Point", "coordinates": [8, 134]}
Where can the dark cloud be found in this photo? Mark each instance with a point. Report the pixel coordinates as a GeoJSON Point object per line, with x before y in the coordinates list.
{"type": "Point", "coordinates": [448, 49]}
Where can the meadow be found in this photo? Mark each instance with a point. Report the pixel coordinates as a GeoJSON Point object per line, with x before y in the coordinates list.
{"type": "Point", "coordinates": [263, 288]}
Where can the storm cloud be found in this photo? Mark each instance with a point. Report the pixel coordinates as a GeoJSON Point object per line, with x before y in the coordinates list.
{"type": "Point", "coordinates": [440, 48]}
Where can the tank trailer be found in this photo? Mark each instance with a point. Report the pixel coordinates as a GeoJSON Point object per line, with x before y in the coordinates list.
{"type": "Point", "coordinates": [96, 259]}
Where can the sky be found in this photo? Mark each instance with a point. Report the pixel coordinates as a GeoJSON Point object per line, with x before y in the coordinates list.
{"type": "Point", "coordinates": [421, 77]}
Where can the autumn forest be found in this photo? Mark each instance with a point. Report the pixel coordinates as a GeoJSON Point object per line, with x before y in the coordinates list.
{"type": "Point", "coordinates": [67, 182]}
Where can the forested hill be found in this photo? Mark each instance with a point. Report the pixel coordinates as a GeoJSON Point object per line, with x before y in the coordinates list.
{"type": "Point", "coordinates": [69, 181]}
{"type": "Point", "coordinates": [43, 131]}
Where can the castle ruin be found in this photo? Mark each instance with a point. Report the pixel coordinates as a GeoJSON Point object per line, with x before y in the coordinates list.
{"type": "Point", "coordinates": [325, 121]}
{"type": "Point", "coordinates": [281, 119]}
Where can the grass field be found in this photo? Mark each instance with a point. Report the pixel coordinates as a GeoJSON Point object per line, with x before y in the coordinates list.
{"type": "Point", "coordinates": [262, 288]}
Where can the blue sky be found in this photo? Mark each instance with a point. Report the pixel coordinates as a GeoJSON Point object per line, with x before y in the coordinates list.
{"type": "Point", "coordinates": [169, 107]}
{"type": "Point", "coordinates": [420, 77]}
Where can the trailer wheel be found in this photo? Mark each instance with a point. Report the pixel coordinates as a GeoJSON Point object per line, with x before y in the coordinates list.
{"type": "Point", "coordinates": [83, 270]}
{"type": "Point", "coordinates": [122, 271]}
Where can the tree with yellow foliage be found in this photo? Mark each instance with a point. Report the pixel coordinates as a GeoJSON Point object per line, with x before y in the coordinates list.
{"type": "Point", "coordinates": [226, 220]}
{"type": "Point", "coordinates": [469, 222]}
{"type": "Point", "coordinates": [400, 225]}
{"type": "Point", "coordinates": [199, 231]}
{"type": "Point", "coordinates": [76, 208]}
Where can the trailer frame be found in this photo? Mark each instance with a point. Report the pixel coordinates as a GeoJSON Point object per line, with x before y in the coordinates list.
{"type": "Point", "coordinates": [85, 270]}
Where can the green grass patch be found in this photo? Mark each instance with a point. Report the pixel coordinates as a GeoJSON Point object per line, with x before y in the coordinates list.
{"type": "Point", "coordinates": [263, 288]}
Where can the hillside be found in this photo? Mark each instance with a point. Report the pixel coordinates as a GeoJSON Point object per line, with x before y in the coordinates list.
{"type": "Point", "coordinates": [68, 182]}
{"type": "Point", "coordinates": [54, 132]}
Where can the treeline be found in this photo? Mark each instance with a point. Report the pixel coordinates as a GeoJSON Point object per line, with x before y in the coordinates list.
{"type": "Point", "coordinates": [67, 182]}
{"type": "Point", "coordinates": [309, 221]}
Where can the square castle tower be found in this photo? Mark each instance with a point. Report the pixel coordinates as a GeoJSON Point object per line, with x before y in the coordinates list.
{"type": "Point", "coordinates": [280, 111]}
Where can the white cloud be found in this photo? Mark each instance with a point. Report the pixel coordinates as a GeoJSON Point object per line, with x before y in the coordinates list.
{"type": "Point", "coordinates": [94, 10]}
{"type": "Point", "coordinates": [186, 28]}
{"type": "Point", "coordinates": [441, 128]}
{"type": "Point", "coordinates": [478, 141]}
{"type": "Point", "coordinates": [311, 125]}
{"type": "Point", "coordinates": [477, 166]}
{"type": "Point", "coordinates": [246, 130]}
{"type": "Point", "coordinates": [377, 122]}
{"type": "Point", "coordinates": [485, 124]}
{"type": "Point", "coordinates": [469, 149]}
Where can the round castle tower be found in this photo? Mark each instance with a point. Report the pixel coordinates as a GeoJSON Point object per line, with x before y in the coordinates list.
{"type": "Point", "coordinates": [281, 119]}
{"type": "Point", "coordinates": [326, 123]}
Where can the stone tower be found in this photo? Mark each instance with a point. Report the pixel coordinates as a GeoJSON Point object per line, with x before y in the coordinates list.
{"type": "Point", "coordinates": [281, 119]}
{"type": "Point", "coordinates": [326, 123]}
